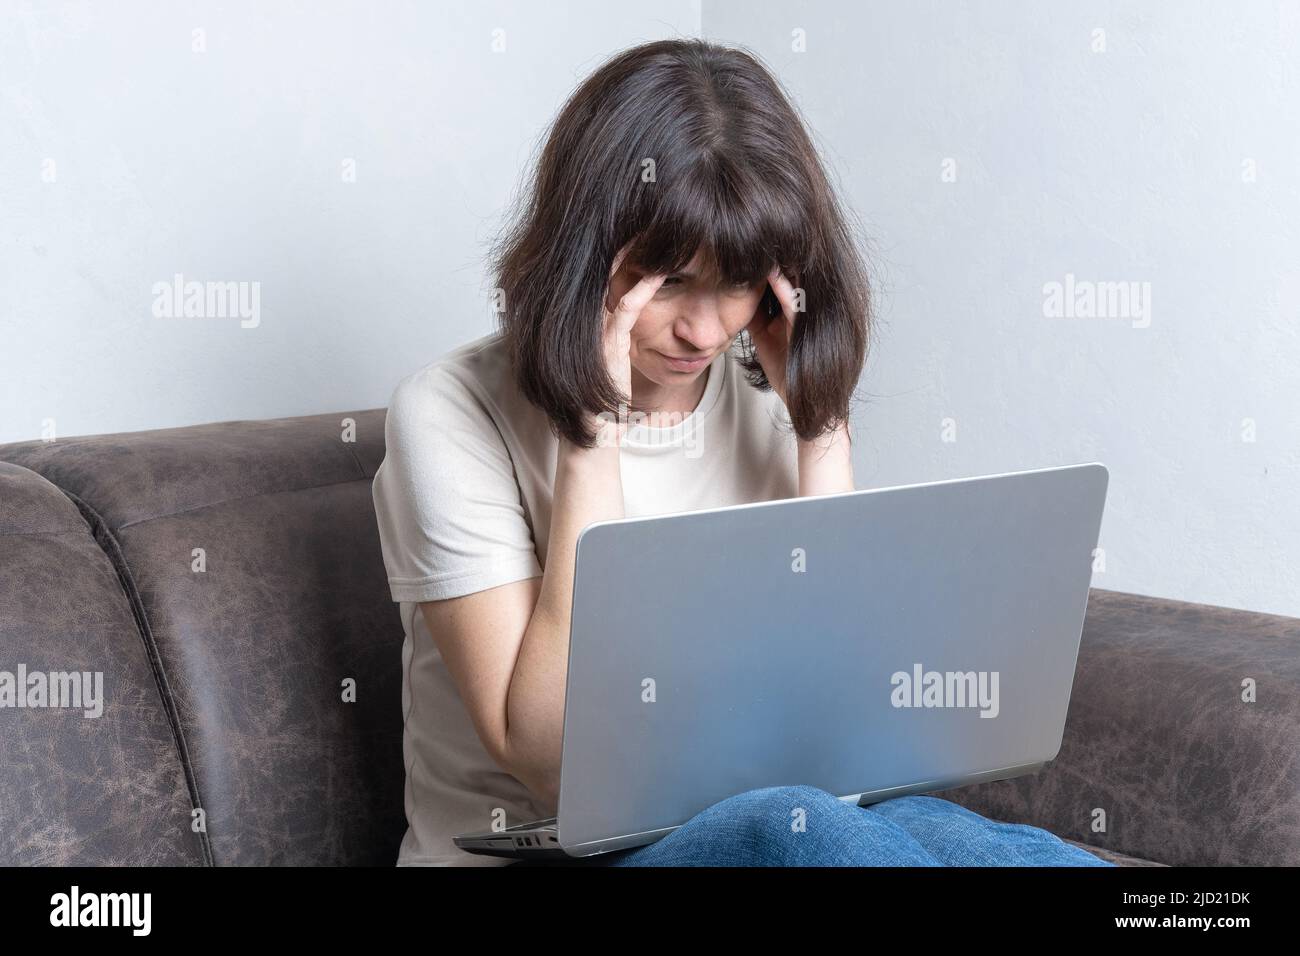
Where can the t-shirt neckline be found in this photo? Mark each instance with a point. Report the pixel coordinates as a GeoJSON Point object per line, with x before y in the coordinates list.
{"type": "Point", "coordinates": [648, 437]}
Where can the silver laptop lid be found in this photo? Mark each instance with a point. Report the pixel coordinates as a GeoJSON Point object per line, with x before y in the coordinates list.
{"type": "Point", "coordinates": [872, 642]}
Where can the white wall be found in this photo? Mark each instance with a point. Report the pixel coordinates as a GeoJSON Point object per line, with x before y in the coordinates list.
{"type": "Point", "coordinates": [227, 165]}
{"type": "Point", "coordinates": [1118, 165]}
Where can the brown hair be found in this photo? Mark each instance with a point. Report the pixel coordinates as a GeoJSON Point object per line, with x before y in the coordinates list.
{"type": "Point", "coordinates": [735, 174]}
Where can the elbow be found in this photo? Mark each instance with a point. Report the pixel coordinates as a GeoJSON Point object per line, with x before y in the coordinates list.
{"type": "Point", "coordinates": [546, 793]}
{"type": "Point", "coordinates": [541, 781]}
{"type": "Point", "coordinates": [542, 786]}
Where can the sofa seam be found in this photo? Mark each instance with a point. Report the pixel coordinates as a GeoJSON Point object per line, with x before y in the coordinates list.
{"type": "Point", "coordinates": [37, 534]}
{"type": "Point", "coordinates": [360, 467]}
{"type": "Point", "coordinates": [112, 549]}
{"type": "Point", "coordinates": [226, 501]}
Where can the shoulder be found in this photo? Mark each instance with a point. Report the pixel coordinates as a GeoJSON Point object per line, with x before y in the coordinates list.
{"type": "Point", "coordinates": [467, 382]}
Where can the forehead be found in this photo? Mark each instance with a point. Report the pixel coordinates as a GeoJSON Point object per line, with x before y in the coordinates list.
{"type": "Point", "coordinates": [700, 264]}
{"type": "Point", "coordinates": [697, 265]}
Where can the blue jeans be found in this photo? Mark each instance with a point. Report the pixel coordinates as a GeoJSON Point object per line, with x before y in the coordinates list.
{"type": "Point", "coordinates": [805, 826]}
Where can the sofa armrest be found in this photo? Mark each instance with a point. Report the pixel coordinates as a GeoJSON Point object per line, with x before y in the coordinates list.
{"type": "Point", "coordinates": [1161, 738]}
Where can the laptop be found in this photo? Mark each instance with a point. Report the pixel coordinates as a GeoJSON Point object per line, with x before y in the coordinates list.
{"type": "Point", "coordinates": [872, 643]}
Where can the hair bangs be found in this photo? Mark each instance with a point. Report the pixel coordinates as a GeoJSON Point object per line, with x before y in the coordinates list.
{"type": "Point", "coordinates": [734, 219]}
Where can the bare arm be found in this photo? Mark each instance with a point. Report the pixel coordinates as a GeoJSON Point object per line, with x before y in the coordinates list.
{"type": "Point", "coordinates": [587, 488]}
{"type": "Point", "coordinates": [507, 649]}
{"type": "Point", "coordinates": [826, 464]}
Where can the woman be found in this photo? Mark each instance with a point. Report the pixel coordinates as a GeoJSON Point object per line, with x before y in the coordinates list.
{"type": "Point", "coordinates": [683, 319]}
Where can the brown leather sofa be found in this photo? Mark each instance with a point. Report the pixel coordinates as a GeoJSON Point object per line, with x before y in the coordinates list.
{"type": "Point", "coordinates": [253, 711]}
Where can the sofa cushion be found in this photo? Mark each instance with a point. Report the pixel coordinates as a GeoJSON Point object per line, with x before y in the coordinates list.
{"type": "Point", "coordinates": [262, 647]}
{"type": "Point", "coordinates": [93, 790]}
{"type": "Point", "coordinates": [1159, 738]}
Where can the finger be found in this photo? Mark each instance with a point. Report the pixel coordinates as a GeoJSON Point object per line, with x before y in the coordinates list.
{"type": "Point", "coordinates": [618, 259]}
{"type": "Point", "coordinates": [613, 271]}
{"type": "Point", "coordinates": [784, 290]}
{"type": "Point", "coordinates": [634, 300]}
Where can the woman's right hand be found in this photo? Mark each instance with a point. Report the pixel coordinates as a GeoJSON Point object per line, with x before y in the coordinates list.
{"type": "Point", "coordinates": [617, 341]}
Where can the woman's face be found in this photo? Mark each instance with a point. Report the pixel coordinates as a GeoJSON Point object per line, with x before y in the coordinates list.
{"type": "Point", "coordinates": [691, 319]}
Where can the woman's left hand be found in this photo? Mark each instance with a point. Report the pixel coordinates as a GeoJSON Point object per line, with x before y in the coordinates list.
{"type": "Point", "coordinates": [771, 334]}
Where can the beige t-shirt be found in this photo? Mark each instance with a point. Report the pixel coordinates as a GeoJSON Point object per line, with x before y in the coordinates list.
{"type": "Point", "coordinates": [463, 500]}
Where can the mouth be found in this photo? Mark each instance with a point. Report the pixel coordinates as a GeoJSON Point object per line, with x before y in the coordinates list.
{"type": "Point", "coordinates": [686, 364]}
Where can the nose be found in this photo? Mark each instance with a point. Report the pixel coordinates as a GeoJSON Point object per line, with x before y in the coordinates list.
{"type": "Point", "coordinates": [700, 325]}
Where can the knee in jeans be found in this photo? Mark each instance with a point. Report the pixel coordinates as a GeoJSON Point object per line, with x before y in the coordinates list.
{"type": "Point", "coordinates": [766, 824]}
{"type": "Point", "coordinates": [771, 806]}
{"type": "Point", "coordinates": [927, 803]}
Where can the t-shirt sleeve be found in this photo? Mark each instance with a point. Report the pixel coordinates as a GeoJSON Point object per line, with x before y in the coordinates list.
{"type": "Point", "coordinates": [447, 501]}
